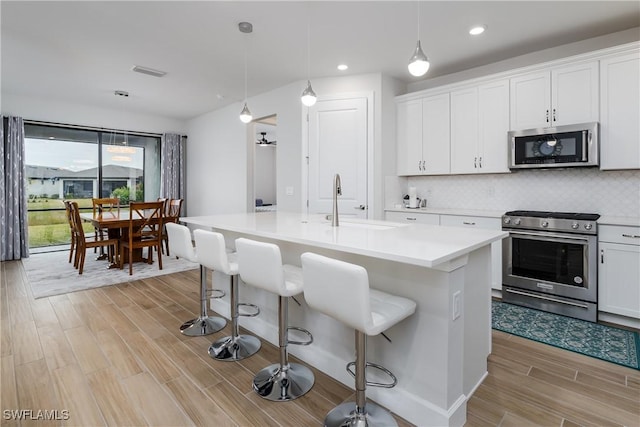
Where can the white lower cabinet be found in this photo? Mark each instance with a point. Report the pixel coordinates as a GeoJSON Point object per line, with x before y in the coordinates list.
{"type": "Point", "coordinates": [619, 270]}
{"type": "Point", "coordinates": [418, 217]}
{"type": "Point", "coordinates": [459, 221]}
{"type": "Point", "coordinates": [496, 247]}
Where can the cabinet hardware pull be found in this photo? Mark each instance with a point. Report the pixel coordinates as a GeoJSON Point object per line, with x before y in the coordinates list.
{"type": "Point", "coordinates": [554, 115]}
{"type": "Point", "coordinates": [475, 160]}
{"type": "Point", "coordinates": [601, 256]}
{"type": "Point", "coordinates": [631, 236]}
{"type": "Point", "coordinates": [547, 116]}
{"type": "Point", "coordinates": [411, 219]}
{"type": "Point", "coordinates": [424, 165]}
{"type": "Point", "coordinates": [480, 162]}
{"type": "Point", "coordinates": [468, 223]}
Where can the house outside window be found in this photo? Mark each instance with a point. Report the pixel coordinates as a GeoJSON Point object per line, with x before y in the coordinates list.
{"type": "Point", "coordinates": [79, 164]}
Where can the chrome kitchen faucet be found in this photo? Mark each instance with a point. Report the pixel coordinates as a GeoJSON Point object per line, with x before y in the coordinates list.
{"type": "Point", "coordinates": [337, 190]}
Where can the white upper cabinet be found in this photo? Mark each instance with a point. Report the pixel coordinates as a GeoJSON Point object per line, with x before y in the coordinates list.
{"type": "Point", "coordinates": [423, 136]}
{"type": "Point", "coordinates": [479, 126]}
{"type": "Point", "coordinates": [435, 135]}
{"type": "Point", "coordinates": [555, 97]}
{"type": "Point", "coordinates": [620, 110]}
{"type": "Point", "coordinates": [409, 137]}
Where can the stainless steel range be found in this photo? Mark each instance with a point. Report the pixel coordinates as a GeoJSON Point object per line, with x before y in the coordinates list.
{"type": "Point", "coordinates": [550, 262]}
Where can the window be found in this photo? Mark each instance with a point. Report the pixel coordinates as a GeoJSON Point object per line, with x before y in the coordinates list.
{"type": "Point", "coordinates": [79, 164]}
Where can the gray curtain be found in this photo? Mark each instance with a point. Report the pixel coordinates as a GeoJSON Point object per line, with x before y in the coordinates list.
{"type": "Point", "coordinates": [13, 189]}
{"type": "Point", "coordinates": [172, 174]}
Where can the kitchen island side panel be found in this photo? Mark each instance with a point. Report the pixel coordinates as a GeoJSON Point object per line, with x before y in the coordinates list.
{"type": "Point", "coordinates": [437, 359]}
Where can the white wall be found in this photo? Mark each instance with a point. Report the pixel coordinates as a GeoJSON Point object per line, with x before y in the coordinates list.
{"type": "Point", "coordinates": [265, 173]}
{"type": "Point", "coordinates": [387, 154]}
{"type": "Point", "coordinates": [218, 146]}
{"type": "Point", "coordinates": [55, 111]}
{"type": "Point", "coordinates": [216, 163]}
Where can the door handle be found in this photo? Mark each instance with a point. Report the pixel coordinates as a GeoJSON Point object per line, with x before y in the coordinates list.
{"type": "Point", "coordinates": [360, 208]}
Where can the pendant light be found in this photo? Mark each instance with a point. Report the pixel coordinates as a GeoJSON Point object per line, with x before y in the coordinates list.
{"type": "Point", "coordinates": [308, 95]}
{"type": "Point", "coordinates": [245, 114]}
{"type": "Point", "coordinates": [418, 63]}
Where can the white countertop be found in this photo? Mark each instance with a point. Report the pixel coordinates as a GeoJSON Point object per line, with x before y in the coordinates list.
{"type": "Point", "coordinates": [419, 244]}
{"type": "Point", "coordinates": [450, 211]}
{"type": "Point", "coordinates": [603, 220]}
{"type": "Point", "coordinates": [619, 220]}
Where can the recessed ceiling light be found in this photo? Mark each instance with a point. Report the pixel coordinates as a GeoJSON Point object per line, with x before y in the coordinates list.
{"type": "Point", "coordinates": [478, 29]}
{"type": "Point", "coordinates": [343, 67]}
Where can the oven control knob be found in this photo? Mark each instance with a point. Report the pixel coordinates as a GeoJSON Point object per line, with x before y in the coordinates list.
{"type": "Point", "coordinates": [588, 226]}
{"type": "Point", "coordinates": [517, 221]}
{"type": "Point", "coordinates": [575, 225]}
{"type": "Point", "coordinates": [507, 220]}
{"type": "Point", "coordinates": [545, 224]}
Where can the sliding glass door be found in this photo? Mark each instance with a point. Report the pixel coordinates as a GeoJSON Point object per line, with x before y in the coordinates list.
{"type": "Point", "coordinates": [79, 164]}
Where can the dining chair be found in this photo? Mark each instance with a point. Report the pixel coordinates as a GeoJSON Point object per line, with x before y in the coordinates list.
{"type": "Point", "coordinates": [104, 206]}
{"type": "Point", "coordinates": [144, 231]}
{"type": "Point", "coordinates": [171, 214]}
{"type": "Point", "coordinates": [82, 242]}
{"type": "Point", "coordinates": [72, 234]}
{"type": "Point", "coordinates": [166, 203]}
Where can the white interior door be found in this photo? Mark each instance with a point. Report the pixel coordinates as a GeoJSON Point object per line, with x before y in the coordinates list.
{"type": "Point", "coordinates": [338, 144]}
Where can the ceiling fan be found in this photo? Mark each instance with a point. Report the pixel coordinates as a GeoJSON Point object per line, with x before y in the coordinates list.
{"type": "Point", "coordinates": [264, 141]}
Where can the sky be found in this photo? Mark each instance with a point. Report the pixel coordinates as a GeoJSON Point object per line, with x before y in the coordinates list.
{"type": "Point", "coordinates": [76, 156]}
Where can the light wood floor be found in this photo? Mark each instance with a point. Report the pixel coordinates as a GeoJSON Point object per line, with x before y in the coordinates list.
{"type": "Point", "coordinates": [113, 356]}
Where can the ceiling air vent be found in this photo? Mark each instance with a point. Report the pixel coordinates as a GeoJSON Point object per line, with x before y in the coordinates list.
{"type": "Point", "coordinates": [149, 71]}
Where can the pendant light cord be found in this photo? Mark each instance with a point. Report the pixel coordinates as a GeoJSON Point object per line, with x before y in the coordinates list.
{"type": "Point", "coordinates": [419, 20]}
{"type": "Point", "coordinates": [245, 68]}
{"type": "Point", "coordinates": [308, 49]}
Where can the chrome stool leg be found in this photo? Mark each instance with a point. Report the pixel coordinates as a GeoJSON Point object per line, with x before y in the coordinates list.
{"type": "Point", "coordinates": [360, 413]}
{"type": "Point", "coordinates": [205, 324]}
{"type": "Point", "coordinates": [236, 346]}
{"type": "Point", "coordinates": [284, 381]}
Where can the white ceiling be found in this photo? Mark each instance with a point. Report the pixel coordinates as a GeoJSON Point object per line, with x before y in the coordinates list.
{"type": "Point", "coordinates": [82, 51]}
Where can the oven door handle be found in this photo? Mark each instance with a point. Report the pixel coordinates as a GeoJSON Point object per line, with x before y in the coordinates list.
{"type": "Point", "coordinates": [556, 300]}
{"type": "Point", "coordinates": [550, 237]}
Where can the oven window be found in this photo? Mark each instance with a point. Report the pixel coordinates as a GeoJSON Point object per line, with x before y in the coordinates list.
{"type": "Point", "coordinates": [556, 262]}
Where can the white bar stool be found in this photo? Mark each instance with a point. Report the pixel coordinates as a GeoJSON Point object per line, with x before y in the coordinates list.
{"type": "Point", "coordinates": [212, 252]}
{"type": "Point", "coordinates": [341, 290]}
{"type": "Point", "coordinates": [261, 266]}
{"type": "Point", "coordinates": [180, 243]}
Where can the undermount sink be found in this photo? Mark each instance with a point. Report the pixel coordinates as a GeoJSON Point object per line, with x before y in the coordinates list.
{"type": "Point", "coordinates": [366, 225]}
{"type": "Point", "coordinates": [347, 223]}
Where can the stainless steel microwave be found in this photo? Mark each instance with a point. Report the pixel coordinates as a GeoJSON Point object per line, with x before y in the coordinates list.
{"type": "Point", "coordinates": [556, 147]}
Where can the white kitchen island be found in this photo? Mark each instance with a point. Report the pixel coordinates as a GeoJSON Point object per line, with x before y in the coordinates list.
{"type": "Point", "coordinates": [439, 354]}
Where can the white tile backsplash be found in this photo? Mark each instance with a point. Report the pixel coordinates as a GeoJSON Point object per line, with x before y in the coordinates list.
{"type": "Point", "coordinates": [570, 190]}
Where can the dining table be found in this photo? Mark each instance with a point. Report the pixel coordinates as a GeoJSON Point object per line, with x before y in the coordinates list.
{"type": "Point", "coordinates": [117, 226]}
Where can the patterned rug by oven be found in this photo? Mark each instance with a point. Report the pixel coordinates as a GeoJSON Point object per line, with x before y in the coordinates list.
{"type": "Point", "coordinates": [592, 339]}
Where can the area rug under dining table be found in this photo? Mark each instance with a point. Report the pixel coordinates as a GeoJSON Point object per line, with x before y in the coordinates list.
{"type": "Point", "coordinates": [51, 274]}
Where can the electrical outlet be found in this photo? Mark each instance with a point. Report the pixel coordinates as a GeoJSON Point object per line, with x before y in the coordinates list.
{"type": "Point", "coordinates": [289, 191]}
{"type": "Point", "coordinates": [457, 305]}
